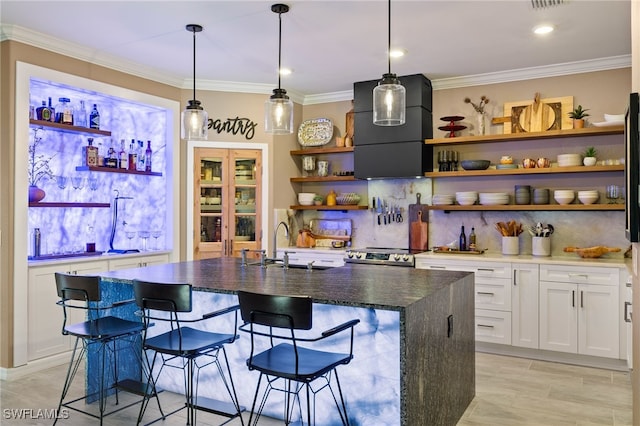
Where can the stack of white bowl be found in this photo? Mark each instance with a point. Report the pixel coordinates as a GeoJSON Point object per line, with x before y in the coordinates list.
{"type": "Point", "coordinates": [466, 198]}
{"type": "Point", "coordinates": [306, 198]}
{"type": "Point", "coordinates": [588, 196]}
{"type": "Point", "coordinates": [567, 160]}
{"type": "Point", "coordinates": [494, 198]}
{"type": "Point", "coordinates": [564, 196]}
{"type": "Point", "coordinates": [442, 200]}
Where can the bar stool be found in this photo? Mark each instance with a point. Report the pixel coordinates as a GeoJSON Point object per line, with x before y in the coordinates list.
{"type": "Point", "coordinates": [181, 346]}
{"type": "Point", "coordinates": [276, 318]}
{"type": "Point", "coordinates": [102, 333]}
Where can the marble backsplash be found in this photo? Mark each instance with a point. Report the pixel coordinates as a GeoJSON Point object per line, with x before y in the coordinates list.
{"type": "Point", "coordinates": [572, 228]}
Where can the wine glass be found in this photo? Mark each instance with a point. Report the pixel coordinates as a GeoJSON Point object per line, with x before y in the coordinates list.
{"type": "Point", "coordinates": [78, 183]}
{"type": "Point", "coordinates": [145, 236]}
{"type": "Point", "coordinates": [156, 234]}
{"type": "Point", "coordinates": [62, 182]}
{"type": "Point", "coordinates": [130, 235]}
{"type": "Point", "coordinates": [93, 185]}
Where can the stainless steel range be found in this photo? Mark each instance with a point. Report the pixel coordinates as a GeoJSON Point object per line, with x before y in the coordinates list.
{"type": "Point", "coordinates": [381, 256]}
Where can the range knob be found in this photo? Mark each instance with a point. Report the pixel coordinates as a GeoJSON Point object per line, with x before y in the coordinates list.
{"type": "Point", "coordinates": [350, 254]}
{"type": "Point", "coordinates": [405, 257]}
{"type": "Point", "coordinates": [396, 257]}
{"type": "Point", "coordinates": [358, 255]}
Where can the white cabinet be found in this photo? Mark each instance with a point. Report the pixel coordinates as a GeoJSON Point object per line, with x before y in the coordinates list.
{"type": "Point", "coordinates": [524, 305]}
{"type": "Point", "coordinates": [138, 261]}
{"type": "Point", "coordinates": [579, 310]}
{"type": "Point", "coordinates": [45, 318]}
{"type": "Point", "coordinates": [492, 295]}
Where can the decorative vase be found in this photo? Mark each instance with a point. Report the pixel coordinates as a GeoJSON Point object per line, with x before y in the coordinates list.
{"type": "Point", "coordinates": [35, 194]}
{"type": "Point", "coordinates": [589, 161]}
{"type": "Point", "coordinates": [481, 123]}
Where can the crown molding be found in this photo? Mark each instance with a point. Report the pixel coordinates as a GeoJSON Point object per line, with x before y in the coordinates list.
{"type": "Point", "coordinates": [64, 47]}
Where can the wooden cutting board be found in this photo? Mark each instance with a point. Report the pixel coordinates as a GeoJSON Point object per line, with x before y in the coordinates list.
{"type": "Point", "coordinates": [418, 226]}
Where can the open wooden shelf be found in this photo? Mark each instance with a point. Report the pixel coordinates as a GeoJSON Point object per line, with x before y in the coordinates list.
{"type": "Point", "coordinates": [507, 137]}
{"type": "Point", "coordinates": [114, 170]}
{"type": "Point", "coordinates": [339, 208]}
{"type": "Point", "coordinates": [69, 129]}
{"type": "Point", "coordinates": [65, 205]}
{"type": "Point", "coordinates": [536, 171]}
{"type": "Point", "coordinates": [531, 207]}
{"type": "Point", "coordinates": [324, 179]}
{"type": "Point", "coordinates": [331, 150]}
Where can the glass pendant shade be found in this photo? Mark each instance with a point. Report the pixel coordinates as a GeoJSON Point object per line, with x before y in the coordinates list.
{"type": "Point", "coordinates": [278, 113]}
{"type": "Point", "coordinates": [195, 121]}
{"type": "Point", "coordinates": [389, 102]}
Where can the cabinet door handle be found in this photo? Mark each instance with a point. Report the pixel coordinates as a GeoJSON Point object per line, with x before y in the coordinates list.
{"type": "Point", "coordinates": [514, 277]}
{"type": "Point", "coordinates": [627, 314]}
{"type": "Point", "coordinates": [224, 245]}
{"type": "Point", "coordinates": [485, 326]}
{"type": "Point", "coordinates": [486, 269]}
{"type": "Point", "coordinates": [437, 267]}
{"type": "Point", "coordinates": [573, 298]}
{"type": "Point", "coordinates": [585, 276]}
{"type": "Point", "coordinates": [582, 298]}
{"type": "Point", "coordinates": [485, 293]}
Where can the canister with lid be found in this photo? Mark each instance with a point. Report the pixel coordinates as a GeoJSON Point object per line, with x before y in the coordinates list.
{"type": "Point", "coordinates": [64, 111]}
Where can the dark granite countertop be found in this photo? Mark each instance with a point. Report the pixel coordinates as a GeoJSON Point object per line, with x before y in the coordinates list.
{"type": "Point", "coordinates": [387, 287]}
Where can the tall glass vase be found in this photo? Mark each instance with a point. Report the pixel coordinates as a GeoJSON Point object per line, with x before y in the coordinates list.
{"type": "Point", "coordinates": [481, 118]}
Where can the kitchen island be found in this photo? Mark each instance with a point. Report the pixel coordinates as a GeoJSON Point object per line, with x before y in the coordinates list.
{"type": "Point", "coordinates": [414, 355]}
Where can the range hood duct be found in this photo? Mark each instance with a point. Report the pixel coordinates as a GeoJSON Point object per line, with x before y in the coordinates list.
{"type": "Point", "coordinates": [398, 151]}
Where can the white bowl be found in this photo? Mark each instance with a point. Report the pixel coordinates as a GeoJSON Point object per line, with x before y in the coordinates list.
{"type": "Point", "coordinates": [306, 198]}
{"type": "Point", "coordinates": [614, 117]}
{"type": "Point", "coordinates": [587, 199]}
{"type": "Point", "coordinates": [564, 197]}
{"type": "Point", "coordinates": [466, 201]}
{"type": "Point", "coordinates": [567, 160]}
{"type": "Point", "coordinates": [467, 194]}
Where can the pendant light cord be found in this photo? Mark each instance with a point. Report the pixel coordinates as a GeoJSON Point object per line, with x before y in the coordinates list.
{"type": "Point", "coordinates": [279, 46]}
{"type": "Point", "coordinates": [389, 45]}
{"type": "Point", "coordinates": [194, 64]}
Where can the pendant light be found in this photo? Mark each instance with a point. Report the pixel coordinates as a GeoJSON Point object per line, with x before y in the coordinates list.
{"type": "Point", "coordinates": [389, 96]}
{"type": "Point", "coordinates": [278, 110]}
{"type": "Point", "coordinates": [195, 120]}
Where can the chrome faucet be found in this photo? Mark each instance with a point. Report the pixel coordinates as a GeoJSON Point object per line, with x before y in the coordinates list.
{"type": "Point", "coordinates": [275, 235]}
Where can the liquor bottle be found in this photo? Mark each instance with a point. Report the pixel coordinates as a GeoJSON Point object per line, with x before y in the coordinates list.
{"type": "Point", "coordinates": [37, 238]}
{"type": "Point", "coordinates": [133, 158]}
{"type": "Point", "coordinates": [81, 116]}
{"type": "Point", "coordinates": [147, 157]}
{"type": "Point", "coordinates": [94, 118]}
{"type": "Point", "coordinates": [472, 239]}
{"type": "Point", "coordinates": [140, 166]}
{"type": "Point", "coordinates": [123, 159]}
{"type": "Point", "coordinates": [217, 232]}
{"type": "Point", "coordinates": [90, 154]}
{"type": "Point", "coordinates": [64, 111]}
{"type": "Point", "coordinates": [43, 112]}
{"type": "Point", "coordinates": [462, 246]}
{"type": "Point", "coordinates": [112, 161]}
{"type": "Point", "coordinates": [52, 117]}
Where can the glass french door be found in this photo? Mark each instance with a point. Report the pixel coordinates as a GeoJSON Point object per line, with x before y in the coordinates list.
{"type": "Point", "coordinates": [227, 185]}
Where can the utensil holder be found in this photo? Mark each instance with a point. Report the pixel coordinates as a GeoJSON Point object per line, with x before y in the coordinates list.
{"type": "Point", "coordinates": [541, 246]}
{"type": "Point", "coordinates": [510, 245]}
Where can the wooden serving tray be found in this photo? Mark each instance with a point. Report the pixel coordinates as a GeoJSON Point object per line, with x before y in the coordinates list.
{"type": "Point", "coordinates": [458, 251]}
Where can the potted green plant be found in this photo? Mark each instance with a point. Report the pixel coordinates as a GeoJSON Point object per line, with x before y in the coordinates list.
{"type": "Point", "coordinates": [578, 114]}
{"type": "Point", "coordinates": [317, 200]}
{"type": "Point", "coordinates": [590, 156]}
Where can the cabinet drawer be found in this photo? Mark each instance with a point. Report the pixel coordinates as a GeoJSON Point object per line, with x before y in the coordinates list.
{"type": "Point", "coordinates": [493, 326]}
{"type": "Point", "coordinates": [580, 274]}
{"type": "Point", "coordinates": [493, 293]}
{"type": "Point", "coordinates": [481, 269]}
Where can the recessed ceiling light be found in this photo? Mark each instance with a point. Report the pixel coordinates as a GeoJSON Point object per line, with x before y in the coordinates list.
{"type": "Point", "coordinates": [285, 71]}
{"type": "Point", "coordinates": [397, 53]}
{"type": "Point", "coordinates": [543, 29]}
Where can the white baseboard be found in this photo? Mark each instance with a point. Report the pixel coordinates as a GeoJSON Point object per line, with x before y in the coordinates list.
{"type": "Point", "coordinates": [16, 373]}
{"type": "Point", "coordinates": [561, 357]}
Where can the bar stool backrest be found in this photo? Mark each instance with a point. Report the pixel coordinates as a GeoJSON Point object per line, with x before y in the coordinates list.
{"type": "Point", "coordinates": [163, 297]}
{"type": "Point", "coordinates": [78, 287]}
{"type": "Point", "coordinates": [295, 312]}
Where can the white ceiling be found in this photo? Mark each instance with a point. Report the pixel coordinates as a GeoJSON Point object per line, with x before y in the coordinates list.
{"type": "Point", "coordinates": [328, 44]}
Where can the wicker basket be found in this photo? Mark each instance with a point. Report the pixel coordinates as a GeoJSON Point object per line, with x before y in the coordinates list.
{"type": "Point", "coordinates": [347, 199]}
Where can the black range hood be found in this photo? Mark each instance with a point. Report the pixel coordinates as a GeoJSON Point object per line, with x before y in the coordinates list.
{"type": "Point", "coordinates": [395, 151]}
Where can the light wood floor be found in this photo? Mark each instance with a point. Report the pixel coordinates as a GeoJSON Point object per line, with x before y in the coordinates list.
{"type": "Point", "coordinates": [509, 391]}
